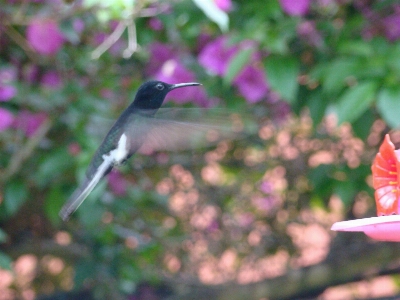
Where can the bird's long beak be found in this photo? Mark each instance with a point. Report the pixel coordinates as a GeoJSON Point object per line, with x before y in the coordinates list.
{"type": "Point", "coordinates": [179, 85]}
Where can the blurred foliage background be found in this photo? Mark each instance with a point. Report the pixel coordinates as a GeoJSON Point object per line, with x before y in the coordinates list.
{"type": "Point", "coordinates": [245, 219]}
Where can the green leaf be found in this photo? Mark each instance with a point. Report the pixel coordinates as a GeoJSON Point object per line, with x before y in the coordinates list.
{"type": "Point", "coordinates": [15, 195]}
{"type": "Point", "coordinates": [53, 166]}
{"type": "Point", "coordinates": [69, 32]}
{"type": "Point", "coordinates": [111, 9]}
{"type": "Point", "coordinates": [346, 192]}
{"type": "Point", "coordinates": [318, 72]}
{"type": "Point", "coordinates": [3, 236]}
{"type": "Point", "coordinates": [321, 180]}
{"type": "Point", "coordinates": [337, 72]}
{"type": "Point", "coordinates": [318, 175]}
{"type": "Point", "coordinates": [388, 105]}
{"type": "Point", "coordinates": [360, 48]}
{"type": "Point", "coordinates": [214, 13]}
{"type": "Point", "coordinates": [282, 72]}
{"type": "Point", "coordinates": [317, 106]}
{"type": "Point", "coordinates": [355, 101]}
{"type": "Point", "coordinates": [53, 203]}
{"type": "Point", "coordinates": [236, 64]}
{"type": "Point", "coordinates": [362, 126]}
{"type": "Point", "coordinates": [84, 270]}
{"type": "Point", "coordinates": [393, 59]}
{"type": "Point", "coordinates": [5, 261]}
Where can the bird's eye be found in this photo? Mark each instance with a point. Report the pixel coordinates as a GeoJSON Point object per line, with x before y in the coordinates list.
{"type": "Point", "coordinates": [159, 86]}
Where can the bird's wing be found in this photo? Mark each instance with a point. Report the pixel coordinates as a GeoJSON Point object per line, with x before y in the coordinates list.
{"type": "Point", "coordinates": [178, 129]}
{"type": "Point", "coordinates": [84, 190]}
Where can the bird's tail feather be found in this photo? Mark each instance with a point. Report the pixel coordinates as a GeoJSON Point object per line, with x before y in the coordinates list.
{"type": "Point", "coordinates": [83, 191]}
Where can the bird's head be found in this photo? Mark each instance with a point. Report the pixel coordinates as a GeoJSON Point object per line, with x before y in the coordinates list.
{"type": "Point", "coordinates": [152, 93]}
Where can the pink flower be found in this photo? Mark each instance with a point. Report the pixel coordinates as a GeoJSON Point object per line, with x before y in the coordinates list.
{"type": "Point", "coordinates": [117, 183]}
{"type": "Point", "coordinates": [392, 27]}
{"type": "Point", "coordinates": [78, 25]}
{"type": "Point", "coordinates": [225, 5]}
{"type": "Point", "coordinates": [7, 76]}
{"type": "Point", "coordinates": [266, 187]}
{"type": "Point", "coordinates": [265, 204]}
{"type": "Point", "coordinates": [44, 36]}
{"type": "Point", "coordinates": [308, 31]}
{"type": "Point", "coordinates": [216, 55]}
{"type": "Point", "coordinates": [74, 149]}
{"type": "Point", "coordinates": [7, 92]}
{"type": "Point", "coordinates": [155, 24]}
{"type": "Point", "coordinates": [295, 7]}
{"type": "Point", "coordinates": [159, 54]}
{"type": "Point", "coordinates": [202, 41]}
{"type": "Point", "coordinates": [29, 122]}
{"type": "Point", "coordinates": [6, 119]}
{"type": "Point", "coordinates": [252, 83]}
{"type": "Point", "coordinates": [245, 219]}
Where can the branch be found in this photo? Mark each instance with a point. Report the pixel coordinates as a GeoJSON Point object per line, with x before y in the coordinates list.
{"type": "Point", "coordinates": [375, 260]}
{"type": "Point", "coordinates": [40, 248]}
{"type": "Point", "coordinates": [26, 150]}
{"type": "Point", "coordinates": [21, 41]}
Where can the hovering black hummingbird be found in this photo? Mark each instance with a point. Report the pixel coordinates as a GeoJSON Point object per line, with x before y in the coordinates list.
{"type": "Point", "coordinates": [134, 129]}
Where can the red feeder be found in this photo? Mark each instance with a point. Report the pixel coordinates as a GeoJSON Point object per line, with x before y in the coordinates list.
{"type": "Point", "coordinates": [385, 227]}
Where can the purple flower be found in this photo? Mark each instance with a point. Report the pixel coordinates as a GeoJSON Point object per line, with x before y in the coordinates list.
{"type": "Point", "coordinates": [7, 92]}
{"type": "Point", "coordinates": [51, 80]}
{"type": "Point", "coordinates": [8, 74]}
{"type": "Point", "coordinates": [107, 93]}
{"type": "Point", "coordinates": [117, 183]}
{"type": "Point", "coordinates": [44, 36]}
{"type": "Point", "coordinates": [308, 31]}
{"type": "Point", "coordinates": [216, 55]}
{"type": "Point", "coordinates": [266, 187]}
{"type": "Point", "coordinates": [30, 73]}
{"type": "Point", "coordinates": [265, 204]}
{"type": "Point", "coordinates": [252, 83]}
{"type": "Point", "coordinates": [225, 5]}
{"type": "Point", "coordinates": [202, 41]}
{"type": "Point", "coordinates": [74, 149]}
{"type": "Point", "coordinates": [295, 7]}
{"type": "Point", "coordinates": [78, 25]}
{"type": "Point", "coordinates": [159, 54]}
{"type": "Point", "coordinates": [155, 24]}
{"type": "Point", "coordinates": [392, 27]}
{"type": "Point", "coordinates": [6, 119]}
{"type": "Point", "coordinates": [172, 71]}
{"type": "Point", "coordinates": [280, 111]}
{"type": "Point", "coordinates": [245, 219]}
{"type": "Point", "coordinates": [29, 122]}
{"type": "Point", "coordinates": [213, 226]}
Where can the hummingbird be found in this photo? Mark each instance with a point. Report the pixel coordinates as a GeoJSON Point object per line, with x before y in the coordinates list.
{"type": "Point", "coordinates": [135, 129]}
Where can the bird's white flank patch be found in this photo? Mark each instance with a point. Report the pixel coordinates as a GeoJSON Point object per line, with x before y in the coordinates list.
{"type": "Point", "coordinates": [119, 154]}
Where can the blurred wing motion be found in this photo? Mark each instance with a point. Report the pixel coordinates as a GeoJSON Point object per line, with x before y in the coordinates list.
{"type": "Point", "coordinates": [169, 129]}
{"type": "Point", "coordinates": [181, 129]}
{"type": "Point", "coordinates": [385, 178]}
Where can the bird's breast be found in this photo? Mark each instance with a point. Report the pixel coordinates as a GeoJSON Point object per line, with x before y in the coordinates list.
{"type": "Point", "coordinates": [119, 154]}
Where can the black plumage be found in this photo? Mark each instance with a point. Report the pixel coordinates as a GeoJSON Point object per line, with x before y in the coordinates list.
{"type": "Point", "coordinates": [134, 129]}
